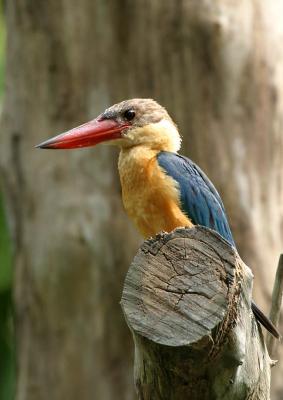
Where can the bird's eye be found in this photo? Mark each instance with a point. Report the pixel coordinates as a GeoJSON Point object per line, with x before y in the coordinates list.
{"type": "Point", "coordinates": [129, 114]}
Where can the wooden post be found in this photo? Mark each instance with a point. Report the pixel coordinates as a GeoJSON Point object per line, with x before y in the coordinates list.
{"type": "Point", "coordinates": [187, 299]}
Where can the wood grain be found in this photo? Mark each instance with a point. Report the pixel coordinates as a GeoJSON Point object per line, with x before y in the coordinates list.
{"type": "Point", "coordinates": [186, 300]}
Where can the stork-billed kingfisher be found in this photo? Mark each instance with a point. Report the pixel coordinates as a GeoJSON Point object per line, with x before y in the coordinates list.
{"type": "Point", "coordinates": [161, 189]}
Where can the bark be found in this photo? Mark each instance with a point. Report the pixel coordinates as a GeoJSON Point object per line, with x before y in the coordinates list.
{"type": "Point", "coordinates": [65, 212]}
{"type": "Point", "coordinates": [187, 301]}
{"type": "Point", "coordinates": [216, 67]}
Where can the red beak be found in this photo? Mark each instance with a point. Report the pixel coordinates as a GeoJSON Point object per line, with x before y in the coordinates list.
{"type": "Point", "coordinates": [89, 134]}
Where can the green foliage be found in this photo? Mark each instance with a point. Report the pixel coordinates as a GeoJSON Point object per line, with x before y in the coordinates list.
{"type": "Point", "coordinates": [5, 253]}
{"type": "Point", "coordinates": [7, 362]}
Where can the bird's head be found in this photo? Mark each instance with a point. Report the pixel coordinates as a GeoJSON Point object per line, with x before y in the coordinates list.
{"type": "Point", "coordinates": [135, 122]}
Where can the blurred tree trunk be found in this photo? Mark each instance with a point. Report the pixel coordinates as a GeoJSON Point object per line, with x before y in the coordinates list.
{"type": "Point", "coordinates": [217, 67]}
{"type": "Point", "coordinates": [72, 241]}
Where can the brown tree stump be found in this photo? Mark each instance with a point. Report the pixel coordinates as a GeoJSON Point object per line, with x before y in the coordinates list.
{"type": "Point", "coordinates": [187, 301]}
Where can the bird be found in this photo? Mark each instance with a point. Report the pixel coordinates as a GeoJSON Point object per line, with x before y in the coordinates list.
{"type": "Point", "coordinates": [161, 189]}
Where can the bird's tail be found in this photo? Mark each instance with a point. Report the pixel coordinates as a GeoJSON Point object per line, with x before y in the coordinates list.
{"type": "Point", "coordinates": [260, 317]}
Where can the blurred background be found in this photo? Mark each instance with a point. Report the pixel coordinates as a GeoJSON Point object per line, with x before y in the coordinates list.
{"type": "Point", "coordinates": [7, 342]}
{"type": "Point", "coordinates": [65, 241]}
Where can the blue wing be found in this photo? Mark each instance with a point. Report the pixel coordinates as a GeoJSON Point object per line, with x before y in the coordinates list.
{"type": "Point", "coordinates": [199, 198]}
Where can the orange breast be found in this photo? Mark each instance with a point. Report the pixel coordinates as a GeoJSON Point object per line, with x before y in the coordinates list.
{"type": "Point", "coordinates": [150, 197]}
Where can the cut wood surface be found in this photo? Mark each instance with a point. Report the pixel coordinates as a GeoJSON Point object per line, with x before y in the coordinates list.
{"type": "Point", "coordinates": [187, 299]}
